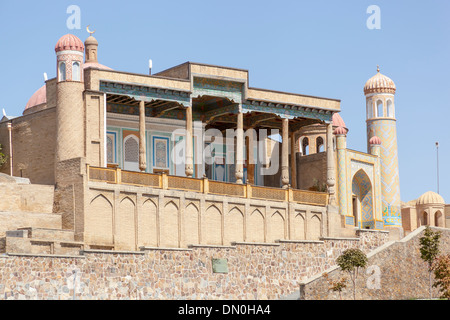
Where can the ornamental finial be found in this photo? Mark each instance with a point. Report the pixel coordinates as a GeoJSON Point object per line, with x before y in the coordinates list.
{"type": "Point", "coordinates": [89, 31]}
{"type": "Point", "coordinates": [378, 68]}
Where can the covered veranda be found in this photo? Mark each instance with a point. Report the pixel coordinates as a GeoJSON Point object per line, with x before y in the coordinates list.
{"type": "Point", "coordinates": [221, 110]}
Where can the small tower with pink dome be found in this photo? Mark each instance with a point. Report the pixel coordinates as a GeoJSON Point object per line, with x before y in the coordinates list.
{"type": "Point", "coordinates": [69, 96]}
{"type": "Point", "coordinates": [69, 56]}
{"type": "Point", "coordinates": [374, 146]}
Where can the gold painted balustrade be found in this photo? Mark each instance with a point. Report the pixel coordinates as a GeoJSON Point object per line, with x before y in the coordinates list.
{"type": "Point", "coordinates": [164, 181]}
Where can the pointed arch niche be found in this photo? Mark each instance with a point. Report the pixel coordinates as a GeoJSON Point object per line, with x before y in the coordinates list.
{"type": "Point", "coordinates": [234, 226]}
{"type": "Point", "coordinates": [99, 221]}
{"type": "Point", "coordinates": [148, 224]}
{"type": "Point", "coordinates": [362, 200]}
{"type": "Point", "coordinates": [191, 224]}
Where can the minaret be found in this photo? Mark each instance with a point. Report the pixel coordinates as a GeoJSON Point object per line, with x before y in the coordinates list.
{"type": "Point", "coordinates": [381, 122]}
{"type": "Point", "coordinates": [91, 49]}
{"type": "Point", "coordinates": [69, 99]}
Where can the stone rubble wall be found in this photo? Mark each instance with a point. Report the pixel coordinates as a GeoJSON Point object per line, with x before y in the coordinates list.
{"type": "Point", "coordinates": [255, 271]}
{"type": "Point", "coordinates": [395, 271]}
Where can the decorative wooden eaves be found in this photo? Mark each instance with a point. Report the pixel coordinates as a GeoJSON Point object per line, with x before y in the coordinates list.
{"type": "Point", "coordinates": [147, 94]}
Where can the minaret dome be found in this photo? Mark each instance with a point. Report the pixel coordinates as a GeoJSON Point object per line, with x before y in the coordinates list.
{"type": "Point", "coordinates": [69, 52]}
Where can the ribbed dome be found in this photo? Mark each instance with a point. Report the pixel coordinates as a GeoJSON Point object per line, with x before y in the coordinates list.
{"type": "Point", "coordinates": [69, 42]}
{"type": "Point", "coordinates": [39, 97]}
{"type": "Point", "coordinates": [375, 140]}
{"type": "Point", "coordinates": [379, 83]}
{"type": "Point", "coordinates": [430, 197]}
{"type": "Point", "coordinates": [340, 131]}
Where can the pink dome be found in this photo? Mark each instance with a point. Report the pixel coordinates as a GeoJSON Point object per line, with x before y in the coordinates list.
{"type": "Point", "coordinates": [340, 130]}
{"type": "Point", "coordinates": [95, 65]}
{"type": "Point", "coordinates": [69, 42]}
{"type": "Point", "coordinates": [337, 121]}
{"type": "Point", "coordinates": [39, 97]}
{"type": "Point", "coordinates": [375, 140]}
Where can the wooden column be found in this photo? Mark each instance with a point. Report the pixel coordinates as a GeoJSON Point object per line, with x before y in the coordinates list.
{"type": "Point", "coordinates": [240, 148]}
{"type": "Point", "coordinates": [189, 164]}
{"type": "Point", "coordinates": [293, 161]}
{"type": "Point", "coordinates": [142, 140]}
{"type": "Point", "coordinates": [285, 154]}
{"type": "Point", "coordinates": [251, 156]}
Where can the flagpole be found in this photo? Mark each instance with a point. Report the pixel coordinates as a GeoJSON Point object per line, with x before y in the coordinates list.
{"type": "Point", "coordinates": [437, 165]}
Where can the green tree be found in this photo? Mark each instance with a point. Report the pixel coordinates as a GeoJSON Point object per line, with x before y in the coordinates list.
{"type": "Point", "coordinates": [441, 268]}
{"type": "Point", "coordinates": [336, 286]}
{"type": "Point", "coordinates": [350, 261]}
{"type": "Point", "coordinates": [429, 250]}
{"type": "Point", "coordinates": [2, 157]}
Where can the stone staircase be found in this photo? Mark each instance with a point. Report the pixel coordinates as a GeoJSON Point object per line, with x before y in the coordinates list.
{"type": "Point", "coordinates": [31, 240]}
{"type": "Point", "coordinates": [28, 224]}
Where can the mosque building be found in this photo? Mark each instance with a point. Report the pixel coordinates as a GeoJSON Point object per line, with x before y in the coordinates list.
{"type": "Point", "coordinates": [187, 156]}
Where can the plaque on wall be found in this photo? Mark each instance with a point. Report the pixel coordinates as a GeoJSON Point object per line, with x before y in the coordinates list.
{"type": "Point", "coordinates": [220, 265]}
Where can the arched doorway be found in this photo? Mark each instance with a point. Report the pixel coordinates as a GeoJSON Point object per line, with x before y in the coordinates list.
{"type": "Point", "coordinates": [439, 219]}
{"type": "Point", "coordinates": [423, 219]}
{"type": "Point", "coordinates": [362, 204]}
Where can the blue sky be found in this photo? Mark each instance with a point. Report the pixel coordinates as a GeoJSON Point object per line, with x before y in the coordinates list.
{"type": "Point", "coordinates": [320, 48]}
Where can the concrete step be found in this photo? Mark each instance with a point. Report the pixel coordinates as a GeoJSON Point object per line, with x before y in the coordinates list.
{"type": "Point", "coordinates": [48, 233]}
{"type": "Point", "coordinates": [12, 220]}
{"type": "Point", "coordinates": [13, 243]}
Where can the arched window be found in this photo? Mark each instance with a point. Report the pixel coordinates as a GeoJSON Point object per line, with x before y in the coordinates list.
{"type": "Point", "coordinates": [305, 146]}
{"type": "Point", "coordinates": [390, 109]}
{"type": "Point", "coordinates": [131, 153]}
{"type": "Point", "coordinates": [380, 109]}
{"type": "Point", "coordinates": [62, 71]}
{"type": "Point", "coordinates": [76, 74]}
{"type": "Point", "coordinates": [319, 145]}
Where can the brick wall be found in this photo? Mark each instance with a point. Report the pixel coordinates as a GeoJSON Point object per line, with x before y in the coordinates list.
{"type": "Point", "coordinates": [128, 217]}
{"type": "Point", "coordinates": [34, 143]}
{"type": "Point", "coordinates": [26, 198]}
{"type": "Point", "coordinates": [70, 193]}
